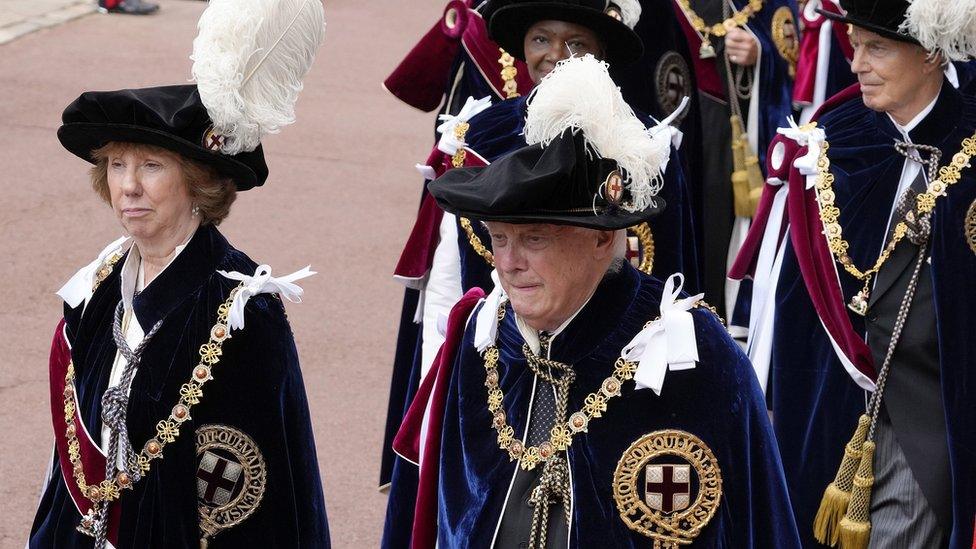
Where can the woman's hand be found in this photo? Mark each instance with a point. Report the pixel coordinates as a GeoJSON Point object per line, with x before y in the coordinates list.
{"type": "Point", "coordinates": [741, 47]}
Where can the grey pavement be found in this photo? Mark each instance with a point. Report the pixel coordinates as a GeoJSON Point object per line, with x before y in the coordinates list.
{"type": "Point", "coordinates": [342, 196]}
{"type": "Point", "coordinates": [21, 17]}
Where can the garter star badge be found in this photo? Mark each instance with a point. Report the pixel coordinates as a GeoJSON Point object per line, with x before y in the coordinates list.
{"type": "Point", "coordinates": [668, 486]}
{"type": "Point", "coordinates": [672, 83]}
{"type": "Point", "coordinates": [231, 477]}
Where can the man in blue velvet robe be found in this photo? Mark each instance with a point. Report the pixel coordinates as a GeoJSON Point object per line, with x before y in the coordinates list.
{"type": "Point", "coordinates": [881, 142]}
{"type": "Point", "coordinates": [437, 276]}
{"type": "Point", "coordinates": [584, 403]}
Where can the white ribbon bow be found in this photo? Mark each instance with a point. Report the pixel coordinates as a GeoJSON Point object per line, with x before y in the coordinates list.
{"type": "Point", "coordinates": [808, 136]}
{"type": "Point", "coordinates": [486, 329]}
{"type": "Point", "coordinates": [674, 134]}
{"type": "Point", "coordinates": [668, 342]}
{"type": "Point", "coordinates": [263, 283]}
{"type": "Point", "coordinates": [449, 142]}
{"type": "Point", "coordinates": [78, 288]}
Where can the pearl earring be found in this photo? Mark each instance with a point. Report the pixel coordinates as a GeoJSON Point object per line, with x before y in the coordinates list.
{"type": "Point", "coordinates": [196, 210]}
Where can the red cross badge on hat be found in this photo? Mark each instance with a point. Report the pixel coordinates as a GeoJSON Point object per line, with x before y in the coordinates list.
{"type": "Point", "coordinates": [213, 141]}
{"type": "Point", "coordinates": [613, 187]}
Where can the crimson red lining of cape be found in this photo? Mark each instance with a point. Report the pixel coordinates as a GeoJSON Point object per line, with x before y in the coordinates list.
{"type": "Point", "coordinates": [92, 458]}
{"type": "Point", "coordinates": [430, 402]}
{"type": "Point", "coordinates": [417, 256]}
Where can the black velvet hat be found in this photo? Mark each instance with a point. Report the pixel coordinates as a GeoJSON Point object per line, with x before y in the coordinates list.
{"type": "Point", "coordinates": [883, 17]}
{"type": "Point", "coordinates": [509, 20]}
{"type": "Point", "coordinates": [172, 117]}
{"type": "Point", "coordinates": [560, 184]}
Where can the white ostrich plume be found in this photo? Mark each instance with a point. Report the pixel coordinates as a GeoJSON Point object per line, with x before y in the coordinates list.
{"type": "Point", "coordinates": [946, 27]}
{"type": "Point", "coordinates": [630, 11]}
{"type": "Point", "coordinates": [249, 59]}
{"type": "Point", "coordinates": [579, 96]}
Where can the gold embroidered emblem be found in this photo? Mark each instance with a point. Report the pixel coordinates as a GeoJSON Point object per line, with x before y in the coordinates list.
{"type": "Point", "coordinates": [785, 37]}
{"type": "Point", "coordinates": [668, 486]}
{"type": "Point", "coordinates": [970, 226]}
{"type": "Point", "coordinates": [231, 477]}
{"type": "Point", "coordinates": [672, 81]}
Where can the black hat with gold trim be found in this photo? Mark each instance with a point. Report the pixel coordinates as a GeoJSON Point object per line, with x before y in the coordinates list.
{"type": "Point", "coordinates": [590, 161]}
{"type": "Point", "coordinates": [250, 57]}
{"type": "Point", "coordinates": [613, 21]}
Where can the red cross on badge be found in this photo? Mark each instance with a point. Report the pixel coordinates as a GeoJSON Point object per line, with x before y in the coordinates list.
{"type": "Point", "coordinates": [668, 487]}
{"type": "Point", "coordinates": [614, 187]}
{"type": "Point", "coordinates": [212, 141]}
{"type": "Point", "coordinates": [217, 479]}
{"type": "Point", "coordinates": [633, 251]}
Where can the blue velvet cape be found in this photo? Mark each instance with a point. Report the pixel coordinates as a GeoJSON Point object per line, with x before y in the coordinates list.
{"type": "Point", "coordinates": [257, 388]}
{"type": "Point", "coordinates": [719, 401]}
{"type": "Point", "coordinates": [815, 403]}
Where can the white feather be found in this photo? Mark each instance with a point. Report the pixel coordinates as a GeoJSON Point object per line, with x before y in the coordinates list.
{"type": "Point", "coordinates": [630, 11]}
{"type": "Point", "coordinates": [947, 27]}
{"type": "Point", "coordinates": [579, 96]}
{"type": "Point", "coordinates": [249, 59]}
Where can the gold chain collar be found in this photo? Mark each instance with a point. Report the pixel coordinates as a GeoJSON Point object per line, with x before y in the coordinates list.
{"type": "Point", "coordinates": [168, 429]}
{"type": "Point", "coordinates": [924, 204]}
{"type": "Point", "coordinates": [739, 19]}
{"type": "Point", "coordinates": [561, 435]}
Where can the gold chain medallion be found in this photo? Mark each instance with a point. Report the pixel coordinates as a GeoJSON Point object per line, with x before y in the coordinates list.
{"type": "Point", "coordinates": [668, 486]}
{"type": "Point", "coordinates": [231, 477]}
{"type": "Point", "coordinates": [970, 226]}
{"type": "Point", "coordinates": [924, 204]}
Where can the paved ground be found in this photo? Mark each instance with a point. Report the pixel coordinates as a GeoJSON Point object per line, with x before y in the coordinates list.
{"type": "Point", "coordinates": [341, 196]}
{"type": "Point", "coordinates": [21, 17]}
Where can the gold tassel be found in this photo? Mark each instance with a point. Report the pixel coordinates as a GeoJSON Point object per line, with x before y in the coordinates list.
{"type": "Point", "coordinates": [855, 529]}
{"type": "Point", "coordinates": [837, 496]}
{"type": "Point", "coordinates": [747, 178]}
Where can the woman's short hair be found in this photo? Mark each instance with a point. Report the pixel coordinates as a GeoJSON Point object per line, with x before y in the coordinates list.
{"type": "Point", "coordinates": [211, 194]}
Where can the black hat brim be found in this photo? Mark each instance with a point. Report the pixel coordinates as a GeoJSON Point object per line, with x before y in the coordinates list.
{"type": "Point", "coordinates": [509, 24]}
{"type": "Point", "coordinates": [868, 25]}
{"type": "Point", "coordinates": [456, 185]}
{"type": "Point", "coordinates": [81, 138]}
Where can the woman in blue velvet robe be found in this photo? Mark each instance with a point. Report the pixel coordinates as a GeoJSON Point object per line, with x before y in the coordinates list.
{"type": "Point", "coordinates": [175, 357]}
{"type": "Point", "coordinates": [257, 390]}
